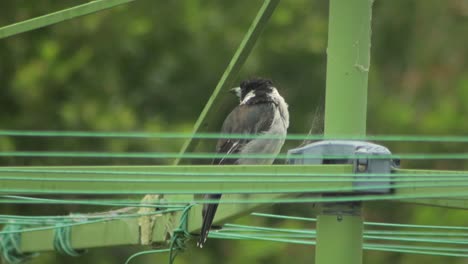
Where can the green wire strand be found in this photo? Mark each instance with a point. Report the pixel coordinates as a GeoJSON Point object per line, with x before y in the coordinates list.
{"type": "Point", "coordinates": [180, 235]}
{"type": "Point", "coordinates": [391, 248]}
{"type": "Point", "coordinates": [370, 234]}
{"type": "Point", "coordinates": [62, 241]}
{"type": "Point", "coordinates": [115, 202]}
{"type": "Point", "coordinates": [277, 235]}
{"type": "Point", "coordinates": [10, 241]}
{"type": "Point", "coordinates": [206, 155]}
{"type": "Point", "coordinates": [283, 199]}
{"type": "Point", "coordinates": [430, 193]}
{"type": "Point", "coordinates": [445, 176]}
{"type": "Point", "coordinates": [250, 237]}
{"type": "Point", "coordinates": [58, 219]}
{"type": "Point", "coordinates": [421, 240]}
{"type": "Point", "coordinates": [178, 240]}
{"type": "Point", "coordinates": [415, 233]}
{"type": "Point", "coordinates": [266, 234]}
{"type": "Point", "coordinates": [146, 252]}
{"type": "Point", "coordinates": [177, 135]}
{"type": "Point", "coordinates": [373, 233]}
{"type": "Point", "coordinates": [184, 172]}
{"type": "Point", "coordinates": [348, 198]}
{"type": "Point", "coordinates": [259, 228]}
{"type": "Point", "coordinates": [380, 224]}
{"type": "Point", "coordinates": [260, 179]}
{"type": "Point", "coordinates": [416, 226]}
{"type": "Point", "coordinates": [297, 233]}
{"type": "Point", "coordinates": [427, 248]}
{"type": "Point", "coordinates": [285, 217]}
{"type": "Point", "coordinates": [84, 221]}
{"type": "Point", "coordinates": [413, 251]}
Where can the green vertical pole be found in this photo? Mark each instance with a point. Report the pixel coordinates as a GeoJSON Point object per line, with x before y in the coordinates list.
{"type": "Point", "coordinates": [340, 226]}
{"type": "Point", "coordinates": [339, 234]}
{"type": "Point", "coordinates": [347, 67]}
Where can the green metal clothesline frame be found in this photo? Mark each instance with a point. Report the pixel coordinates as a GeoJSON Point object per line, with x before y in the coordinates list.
{"type": "Point", "coordinates": [101, 234]}
{"type": "Point", "coordinates": [345, 115]}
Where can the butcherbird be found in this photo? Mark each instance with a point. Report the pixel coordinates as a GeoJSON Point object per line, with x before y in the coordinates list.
{"type": "Point", "coordinates": [261, 111]}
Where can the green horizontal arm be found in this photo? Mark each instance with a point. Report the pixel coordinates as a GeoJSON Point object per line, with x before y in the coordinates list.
{"type": "Point", "coordinates": [59, 16]}
{"type": "Point", "coordinates": [172, 179]}
{"type": "Point", "coordinates": [103, 233]}
{"type": "Point", "coordinates": [459, 202]}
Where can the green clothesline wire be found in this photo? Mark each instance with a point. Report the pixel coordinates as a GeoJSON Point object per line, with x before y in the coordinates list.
{"type": "Point", "coordinates": [284, 217]}
{"type": "Point", "coordinates": [302, 199]}
{"type": "Point", "coordinates": [52, 223]}
{"type": "Point", "coordinates": [206, 155]}
{"type": "Point", "coordinates": [418, 247]}
{"type": "Point", "coordinates": [32, 229]}
{"type": "Point", "coordinates": [62, 241]}
{"type": "Point", "coordinates": [438, 251]}
{"type": "Point", "coordinates": [416, 226]}
{"type": "Point", "coordinates": [380, 224]}
{"type": "Point", "coordinates": [10, 246]}
{"type": "Point", "coordinates": [279, 232]}
{"type": "Point", "coordinates": [350, 188]}
{"type": "Point", "coordinates": [9, 199]}
{"type": "Point", "coordinates": [345, 198]}
{"type": "Point", "coordinates": [19, 219]}
{"type": "Point", "coordinates": [421, 240]}
{"type": "Point", "coordinates": [331, 199]}
{"type": "Point", "coordinates": [147, 252]}
{"type": "Point", "coordinates": [267, 234]}
{"type": "Point", "coordinates": [312, 234]}
{"type": "Point", "coordinates": [414, 250]}
{"type": "Point", "coordinates": [369, 233]}
{"type": "Point", "coordinates": [179, 237]}
{"type": "Point", "coordinates": [250, 228]}
{"type": "Point", "coordinates": [415, 233]}
{"type": "Point", "coordinates": [433, 237]}
{"type": "Point", "coordinates": [235, 231]}
{"type": "Point", "coordinates": [262, 179]}
{"type": "Point", "coordinates": [259, 237]}
{"type": "Point", "coordinates": [239, 228]}
{"type": "Point", "coordinates": [178, 135]}
{"type": "Point", "coordinates": [184, 172]}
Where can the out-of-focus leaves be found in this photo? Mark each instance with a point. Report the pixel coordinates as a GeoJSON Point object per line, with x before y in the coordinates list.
{"type": "Point", "coordinates": [151, 65]}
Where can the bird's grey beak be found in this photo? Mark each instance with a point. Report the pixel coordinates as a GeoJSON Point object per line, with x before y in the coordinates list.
{"type": "Point", "coordinates": [236, 91]}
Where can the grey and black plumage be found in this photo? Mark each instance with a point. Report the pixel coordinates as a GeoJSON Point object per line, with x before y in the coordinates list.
{"type": "Point", "coordinates": [261, 111]}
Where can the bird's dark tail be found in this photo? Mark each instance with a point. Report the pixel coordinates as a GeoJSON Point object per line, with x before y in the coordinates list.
{"type": "Point", "coordinates": [209, 211]}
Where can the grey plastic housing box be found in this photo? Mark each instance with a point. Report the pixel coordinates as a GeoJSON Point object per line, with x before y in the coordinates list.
{"type": "Point", "coordinates": [358, 153]}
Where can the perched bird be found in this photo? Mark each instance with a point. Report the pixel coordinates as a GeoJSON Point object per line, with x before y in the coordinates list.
{"type": "Point", "coordinates": [261, 111]}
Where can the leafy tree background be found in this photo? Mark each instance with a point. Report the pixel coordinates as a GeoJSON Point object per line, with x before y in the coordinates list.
{"type": "Point", "coordinates": [151, 66]}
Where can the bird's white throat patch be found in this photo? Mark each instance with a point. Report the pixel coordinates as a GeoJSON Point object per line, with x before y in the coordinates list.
{"type": "Point", "coordinates": [247, 97]}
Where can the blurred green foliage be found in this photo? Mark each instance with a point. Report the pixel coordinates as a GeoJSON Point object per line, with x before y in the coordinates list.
{"type": "Point", "coordinates": [151, 65]}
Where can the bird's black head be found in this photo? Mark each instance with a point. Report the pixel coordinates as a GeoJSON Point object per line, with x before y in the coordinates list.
{"type": "Point", "coordinates": [260, 87]}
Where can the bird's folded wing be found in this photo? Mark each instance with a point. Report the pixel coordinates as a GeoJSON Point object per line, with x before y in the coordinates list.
{"type": "Point", "coordinates": [253, 119]}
